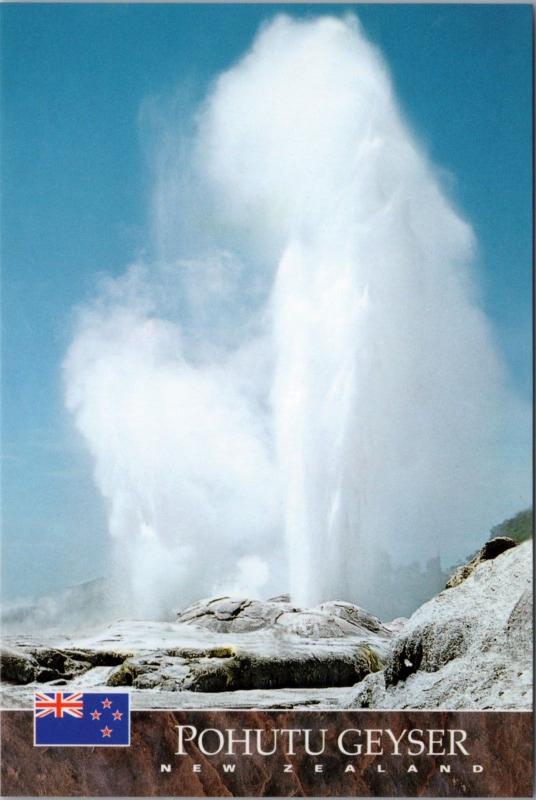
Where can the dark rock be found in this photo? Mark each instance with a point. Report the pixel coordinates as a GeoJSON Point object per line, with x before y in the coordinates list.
{"type": "Point", "coordinates": [46, 675]}
{"type": "Point", "coordinates": [248, 671]}
{"type": "Point", "coordinates": [97, 658]}
{"type": "Point", "coordinates": [496, 546]}
{"type": "Point", "coordinates": [490, 550]}
{"type": "Point", "coordinates": [128, 673]}
{"type": "Point", "coordinates": [428, 648]}
{"type": "Point", "coordinates": [17, 666]}
{"type": "Point", "coordinates": [56, 664]}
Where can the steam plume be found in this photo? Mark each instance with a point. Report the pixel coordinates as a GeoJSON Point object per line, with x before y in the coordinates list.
{"type": "Point", "coordinates": [302, 381]}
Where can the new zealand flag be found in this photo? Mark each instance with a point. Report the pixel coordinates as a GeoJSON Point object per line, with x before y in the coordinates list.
{"type": "Point", "coordinates": [83, 719]}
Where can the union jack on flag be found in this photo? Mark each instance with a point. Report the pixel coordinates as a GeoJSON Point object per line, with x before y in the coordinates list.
{"type": "Point", "coordinates": [81, 719]}
{"type": "Point", "coordinates": [59, 704]}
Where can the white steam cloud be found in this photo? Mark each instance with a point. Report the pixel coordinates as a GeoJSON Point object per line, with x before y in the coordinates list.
{"type": "Point", "coordinates": [302, 381]}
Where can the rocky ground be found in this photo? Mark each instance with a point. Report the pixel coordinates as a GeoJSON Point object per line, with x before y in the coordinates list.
{"type": "Point", "coordinates": [468, 647]}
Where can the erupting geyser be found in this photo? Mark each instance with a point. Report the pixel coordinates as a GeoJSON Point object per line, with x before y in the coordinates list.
{"type": "Point", "coordinates": [327, 394]}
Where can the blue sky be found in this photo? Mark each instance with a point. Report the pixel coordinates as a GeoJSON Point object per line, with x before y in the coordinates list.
{"type": "Point", "coordinates": [77, 185]}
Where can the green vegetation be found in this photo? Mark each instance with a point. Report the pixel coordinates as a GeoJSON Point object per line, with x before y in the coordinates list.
{"type": "Point", "coordinates": [518, 528]}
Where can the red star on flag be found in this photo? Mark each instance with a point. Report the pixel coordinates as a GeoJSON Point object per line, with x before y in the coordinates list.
{"type": "Point", "coordinates": [106, 731]}
{"type": "Point", "coordinates": [117, 714]}
{"type": "Point", "coordinates": [106, 703]}
{"type": "Point", "coordinates": [96, 714]}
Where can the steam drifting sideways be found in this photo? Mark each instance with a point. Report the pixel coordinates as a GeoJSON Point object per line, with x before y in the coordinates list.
{"type": "Point", "coordinates": [301, 380]}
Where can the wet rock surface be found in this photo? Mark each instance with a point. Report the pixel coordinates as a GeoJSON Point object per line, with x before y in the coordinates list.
{"type": "Point", "coordinates": [268, 652]}
{"type": "Point", "coordinates": [245, 671]}
{"type": "Point", "coordinates": [470, 647]}
{"type": "Point", "coordinates": [241, 615]}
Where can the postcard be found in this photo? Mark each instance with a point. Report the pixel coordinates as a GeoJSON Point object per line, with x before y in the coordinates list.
{"type": "Point", "coordinates": [267, 400]}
